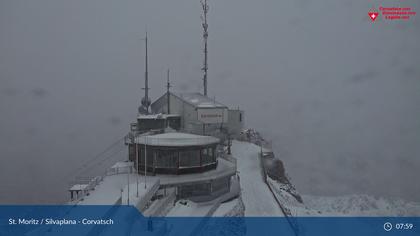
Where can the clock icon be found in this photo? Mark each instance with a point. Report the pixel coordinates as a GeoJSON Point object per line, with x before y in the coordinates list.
{"type": "Point", "coordinates": [387, 226]}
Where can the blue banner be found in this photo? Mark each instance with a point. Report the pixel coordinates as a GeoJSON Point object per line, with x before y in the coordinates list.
{"type": "Point", "coordinates": [127, 220]}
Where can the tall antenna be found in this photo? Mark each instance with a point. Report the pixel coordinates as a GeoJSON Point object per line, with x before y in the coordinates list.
{"type": "Point", "coordinates": [205, 36]}
{"type": "Point", "coordinates": [168, 86]}
{"type": "Point", "coordinates": [145, 101]}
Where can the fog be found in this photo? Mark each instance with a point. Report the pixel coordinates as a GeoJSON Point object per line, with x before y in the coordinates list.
{"type": "Point", "coordinates": [338, 95]}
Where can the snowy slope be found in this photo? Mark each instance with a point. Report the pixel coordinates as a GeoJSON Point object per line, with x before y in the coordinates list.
{"type": "Point", "coordinates": [361, 205]}
{"type": "Point", "coordinates": [289, 202]}
{"type": "Point", "coordinates": [294, 205]}
{"type": "Point", "coordinates": [348, 205]}
{"type": "Point", "coordinates": [256, 196]}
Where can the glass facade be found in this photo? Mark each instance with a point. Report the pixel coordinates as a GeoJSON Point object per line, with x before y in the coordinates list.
{"type": "Point", "coordinates": [220, 185]}
{"type": "Point", "coordinates": [205, 191]}
{"type": "Point", "coordinates": [186, 191]}
{"type": "Point", "coordinates": [166, 159]}
{"type": "Point", "coordinates": [207, 156]}
{"type": "Point", "coordinates": [176, 160]}
{"type": "Point", "coordinates": [189, 158]}
{"type": "Point", "coordinates": [184, 160]}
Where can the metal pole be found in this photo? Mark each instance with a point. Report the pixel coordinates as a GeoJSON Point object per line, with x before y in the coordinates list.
{"type": "Point", "coordinates": [122, 190]}
{"type": "Point", "coordinates": [146, 81]}
{"type": "Point", "coordinates": [137, 167]}
{"type": "Point", "coordinates": [167, 92]}
{"type": "Point", "coordinates": [145, 160]}
{"type": "Point", "coordinates": [128, 187]}
{"type": "Point", "coordinates": [146, 100]}
{"type": "Point", "coordinates": [229, 145]}
{"type": "Point", "coordinates": [205, 36]}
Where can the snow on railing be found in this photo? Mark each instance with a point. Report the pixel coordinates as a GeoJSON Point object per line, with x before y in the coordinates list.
{"type": "Point", "coordinates": [120, 169]}
{"type": "Point", "coordinates": [89, 183]}
{"type": "Point", "coordinates": [83, 187]}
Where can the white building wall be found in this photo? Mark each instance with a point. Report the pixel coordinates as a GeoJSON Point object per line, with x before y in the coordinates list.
{"type": "Point", "coordinates": [177, 106]}
{"type": "Point", "coordinates": [236, 121]}
{"type": "Point", "coordinates": [160, 105]}
{"type": "Point", "coordinates": [186, 111]}
{"type": "Point", "coordinates": [189, 116]}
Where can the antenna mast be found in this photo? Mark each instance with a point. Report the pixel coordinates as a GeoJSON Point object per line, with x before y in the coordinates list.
{"type": "Point", "coordinates": [145, 102]}
{"type": "Point", "coordinates": [168, 85]}
{"type": "Point", "coordinates": [205, 36]}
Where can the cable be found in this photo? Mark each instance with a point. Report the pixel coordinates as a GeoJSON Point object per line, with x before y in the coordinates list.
{"type": "Point", "coordinates": [103, 160]}
{"type": "Point", "coordinates": [88, 162]}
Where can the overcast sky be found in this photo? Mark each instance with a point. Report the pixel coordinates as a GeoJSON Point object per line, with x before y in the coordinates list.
{"type": "Point", "coordinates": [338, 95]}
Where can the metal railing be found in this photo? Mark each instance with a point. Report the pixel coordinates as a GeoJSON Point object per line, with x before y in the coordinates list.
{"type": "Point", "coordinates": [82, 192]}
{"type": "Point", "coordinates": [178, 141]}
{"type": "Point", "coordinates": [120, 170]}
{"type": "Point", "coordinates": [92, 182]}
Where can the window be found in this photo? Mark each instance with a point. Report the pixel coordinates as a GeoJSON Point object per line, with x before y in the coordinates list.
{"type": "Point", "coordinates": [220, 184]}
{"type": "Point", "coordinates": [167, 159]}
{"type": "Point", "coordinates": [189, 158]}
{"type": "Point", "coordinates": [207, 156]}
{"type": "Point", "coordinates": [240, 117]}
{"type": "Point", "coordinates": [150, 154]}
{"type": "Point", "coordinates": [194, 190]}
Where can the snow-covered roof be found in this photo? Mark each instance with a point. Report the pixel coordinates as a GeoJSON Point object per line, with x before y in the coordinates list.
{"type": "Point", "coordinates": [122, 164]}
{"type": "Point", "coordinates": [198, 100]}
{"type": "Point", "coordinates": [156, 116]}
{"type": "Point", "coordinates": [176, 140]}
{"type": "Point", "coordinates": [78, 187]}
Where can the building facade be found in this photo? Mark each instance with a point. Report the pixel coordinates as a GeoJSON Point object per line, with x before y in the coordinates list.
{"type": "Point", "coordinates": [174, 153]}
{"type": "Point", "coordinates": [200, 114]}
{"type": "Point", "coordinates": [187, 162]}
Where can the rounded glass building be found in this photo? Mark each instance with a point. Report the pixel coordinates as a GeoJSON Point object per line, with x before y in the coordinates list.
{"type": "Point", "coordinates": [174, 153]}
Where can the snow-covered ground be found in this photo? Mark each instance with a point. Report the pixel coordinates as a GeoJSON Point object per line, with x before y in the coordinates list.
{"type": "Point", "coordinates": [289, 202]}
{"type": "Point", "coordinates": [108, 191]}
{"type": "Point", "coordinates": [228, 208]}
{"type": "Point", "coordinates": [348, 205]}
{"type": "Point", "coordinates": [256, 196]}
{"type": "Point", "coordinates": [361, 205]}
{"type": "Point", "coordinates": [189, 208]}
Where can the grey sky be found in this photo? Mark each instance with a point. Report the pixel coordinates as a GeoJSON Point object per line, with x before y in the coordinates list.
{"type": "Point", "coordinates": [338, 95]}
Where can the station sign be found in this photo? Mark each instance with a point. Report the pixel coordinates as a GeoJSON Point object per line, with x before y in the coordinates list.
{"type": "Point", "coordinates": [212, 115]}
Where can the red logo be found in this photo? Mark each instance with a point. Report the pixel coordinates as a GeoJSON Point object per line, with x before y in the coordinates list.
{"type": "Point", "coordinates": [373, 15]}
